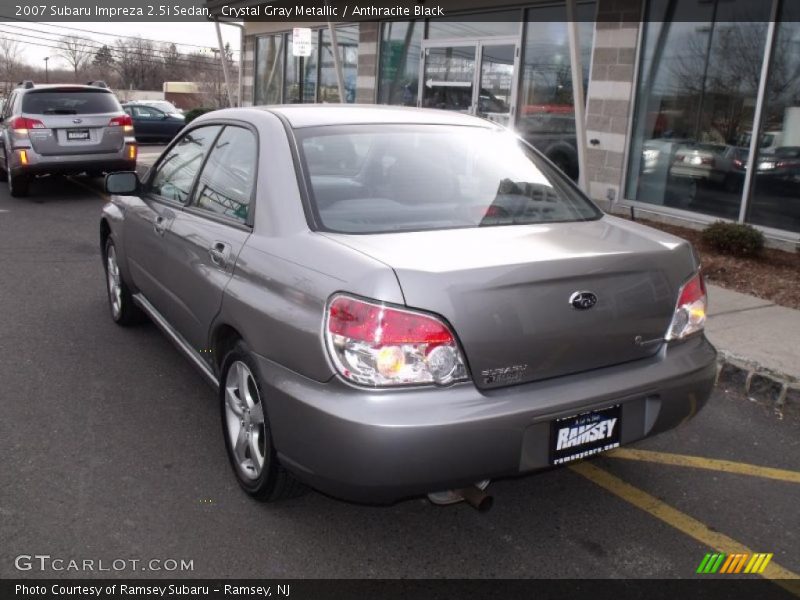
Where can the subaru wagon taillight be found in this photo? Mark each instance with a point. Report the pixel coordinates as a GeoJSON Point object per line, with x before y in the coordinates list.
{"type": "Point", "coordinates": [377, 345]}
{"type": "Point", "coordinates": [21, 125]}
{"type": "Point", "coordinates": [690, 313]}
{"type": "Point", "coordinates": [125, 121]}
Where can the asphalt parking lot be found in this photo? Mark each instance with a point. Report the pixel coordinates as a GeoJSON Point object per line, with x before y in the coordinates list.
{"type": "Point", "coordinates": [112, 449]}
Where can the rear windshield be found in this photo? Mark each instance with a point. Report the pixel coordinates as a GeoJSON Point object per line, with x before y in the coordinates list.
{"type": "Point", "coordinates": [383, 178]}
{"type": "Point", "coordinates": [65, 102]}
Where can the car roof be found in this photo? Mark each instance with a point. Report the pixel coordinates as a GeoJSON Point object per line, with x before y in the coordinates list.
{"type": "Point", "coordinates": [72, 87]}
{"type": "Point", "coordinates": [66, 86]}
{"type": "Point", "coordinates": [315, 115]}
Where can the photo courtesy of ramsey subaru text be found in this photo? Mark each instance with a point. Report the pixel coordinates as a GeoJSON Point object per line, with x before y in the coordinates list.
{"type": "Point", "coordinates": [399, 302]}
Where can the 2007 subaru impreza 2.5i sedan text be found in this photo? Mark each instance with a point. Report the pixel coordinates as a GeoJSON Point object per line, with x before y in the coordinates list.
{"type": "Point", "coordinates": [398, 302]}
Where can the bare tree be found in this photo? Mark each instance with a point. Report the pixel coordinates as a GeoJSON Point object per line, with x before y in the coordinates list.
{"type": "Point", "coordinates": [139, 64]}
{"type": "Point", "coordinates": [76, 52]}
{"type": "Point", "coordinates": [9, 61]}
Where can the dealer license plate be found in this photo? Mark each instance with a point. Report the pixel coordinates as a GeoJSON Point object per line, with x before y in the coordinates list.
{"type": "Point", "coordinates": [78, 134]}
{"type": "Point", "coordinates": [579, 436]}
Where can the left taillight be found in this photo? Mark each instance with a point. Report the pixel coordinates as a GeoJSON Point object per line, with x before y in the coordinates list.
{"type": "Point", "coordinates": [690, 312]}
{"type": "Point", "coordinates": [377, 345]}
{"type": "Point", "coordinates": [125, 121]}
{"type": "Point", "coordinates": [21, 125]}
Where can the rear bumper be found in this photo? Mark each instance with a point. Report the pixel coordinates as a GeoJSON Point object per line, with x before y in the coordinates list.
{"type": "Point", "coordinates": [381, 446]}
{"type": "Point", "coordinates": [70, 164]}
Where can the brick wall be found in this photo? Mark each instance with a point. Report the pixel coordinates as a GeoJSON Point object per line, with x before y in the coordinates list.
{"type": "Point", "coordinates": [367, 62]}
{"type": "Point", "coordinates": [610, 96]}
{"type": "Point", "coordinates": [248, 71]}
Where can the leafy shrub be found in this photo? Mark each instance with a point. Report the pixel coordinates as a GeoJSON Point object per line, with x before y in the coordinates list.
{"type": "Point", "coordinates": [191, 115]}
{"type": "Point", "coordinates": [735, 239]}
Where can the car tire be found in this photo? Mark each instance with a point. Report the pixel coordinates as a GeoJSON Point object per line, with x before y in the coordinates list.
{"type": "Point", "coordinates": [247, 433]}
{"type": "Point", "coordinates": [4, 173]}
{"type": "Point", "coordinates": [17, 184]}
{"type": "Point", "coordinates": [732, 184]}
{"type": "Point", "coordinates": [124, 311]}
{"type": "Point", "coordinates": [566, 165]}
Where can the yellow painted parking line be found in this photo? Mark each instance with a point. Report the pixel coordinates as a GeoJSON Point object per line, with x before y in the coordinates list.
{"type": "Point", "coordinates": [682, 522]}
{"type": "Point", "coordinates": [699, 462]}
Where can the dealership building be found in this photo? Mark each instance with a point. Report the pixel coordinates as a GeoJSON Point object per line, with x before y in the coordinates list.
{"type": "Point", "coordinates": [649, 105]}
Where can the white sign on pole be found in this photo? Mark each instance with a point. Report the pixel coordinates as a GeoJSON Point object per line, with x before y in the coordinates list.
{"type": "Point", "coordinates": [301, 41]}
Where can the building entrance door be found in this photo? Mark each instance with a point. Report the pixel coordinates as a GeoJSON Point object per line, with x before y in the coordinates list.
{"type": "Point", "coordinates": [476, 78]}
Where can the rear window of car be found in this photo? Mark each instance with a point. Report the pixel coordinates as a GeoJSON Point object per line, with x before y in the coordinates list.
{"type": "Point", "coordinates": [386, 178]}
{"type": "Point", "coordinates": [66, 102]}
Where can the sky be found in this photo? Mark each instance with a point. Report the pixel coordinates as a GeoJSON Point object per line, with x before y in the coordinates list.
{"type": "Point", "coordinates": [196, 34]}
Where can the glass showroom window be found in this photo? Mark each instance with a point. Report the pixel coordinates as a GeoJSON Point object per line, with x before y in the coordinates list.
{"type": "Point", "coordinates": [546, 116]}
{"type": "Point", "coordinates": [269, 69]}
{"type": "Point", "coordinates": [776, 194]}
{"type": "Point", "coordinates": [499, 23]}
{"type": "Point", "coordinates": [399, 69]}
{"type": "Point", "coordinates": [347, 40]}
{"type": "Point", "coordinates": [300, 83]}
{"type": "Point", "coordinates": [696, 100]}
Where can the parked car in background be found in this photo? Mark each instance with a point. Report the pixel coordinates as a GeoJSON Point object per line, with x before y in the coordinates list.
{"type": "Point", "coordinates": [658, 154]}
{"type": "Point", "coordinates": [430, 306]}
{"type": "Point", "coordinates": [162, 105]}
{"type": "Point", "coordinates": [710, 163]}
{"type": "Point", "coordinates": [63, 129]}
{"type": "Point", "coordinates": [153, 125]}
{"type": "Point", "coordinates": [768, 142]}
{"type": "Point", "coordinates": [780, 170]}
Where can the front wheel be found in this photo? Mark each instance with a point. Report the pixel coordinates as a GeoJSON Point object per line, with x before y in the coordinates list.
{"type": "Point", "coordinates": [248, 437]}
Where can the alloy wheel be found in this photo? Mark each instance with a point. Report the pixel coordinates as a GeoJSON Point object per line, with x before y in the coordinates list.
{"type": "Point", "coordinates": [244, 420]}
{"type": "Point", "coordinates": [114, 282]}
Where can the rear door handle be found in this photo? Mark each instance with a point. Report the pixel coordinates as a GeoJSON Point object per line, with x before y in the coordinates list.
{"type": "Point", "coordinates": [219, 254]}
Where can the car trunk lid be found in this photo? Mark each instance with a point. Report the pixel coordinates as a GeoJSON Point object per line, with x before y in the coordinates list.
{"type": "Point", "coordinates": [506, 291]}
{"type": "Point", "coordinates": [76, 134]}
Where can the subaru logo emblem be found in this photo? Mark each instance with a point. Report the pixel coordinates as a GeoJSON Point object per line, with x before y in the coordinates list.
{"type": "Point", "coordinates": [76, 121]}
{"type": "Point", "coordinates": [582, 300]}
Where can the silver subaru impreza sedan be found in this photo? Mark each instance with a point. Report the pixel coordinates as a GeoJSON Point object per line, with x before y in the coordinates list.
{"type": "Point", "coordinates": [397, 302]}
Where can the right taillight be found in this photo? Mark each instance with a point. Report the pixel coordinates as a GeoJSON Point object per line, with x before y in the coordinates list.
{"type": "Point", "coordinates": [125, 121]}
{"type": "Point", "coordinates": [377, 345]}
{"type": "Point", "coordinates": [690, 312]}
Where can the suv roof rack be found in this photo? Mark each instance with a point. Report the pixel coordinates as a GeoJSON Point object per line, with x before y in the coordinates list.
{"type": "Point", "coordinates": [98, 83]}
{"type": "Point", "coordinates": [27, 84]}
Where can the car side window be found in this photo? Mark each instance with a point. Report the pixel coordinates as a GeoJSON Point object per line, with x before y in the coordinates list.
{"type": "Point", "coordinates": [176, 172]}
{"type": "Point", "coordinates": [145, 112]}
{"type": "Point", "coordinates": [9, 103]}
{"type": "Point", "coordinates": [226, 183]}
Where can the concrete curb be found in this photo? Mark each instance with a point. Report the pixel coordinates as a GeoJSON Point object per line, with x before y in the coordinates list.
{"type": "Point", "coordinates": [760, 384]}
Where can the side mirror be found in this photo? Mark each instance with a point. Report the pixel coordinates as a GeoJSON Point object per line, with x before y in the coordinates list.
{"type": "Point", "coordinates": [123, 183]}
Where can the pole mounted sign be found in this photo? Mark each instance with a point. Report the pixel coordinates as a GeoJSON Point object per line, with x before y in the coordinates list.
{"type": "Point", "coordinates": [301, 41]}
